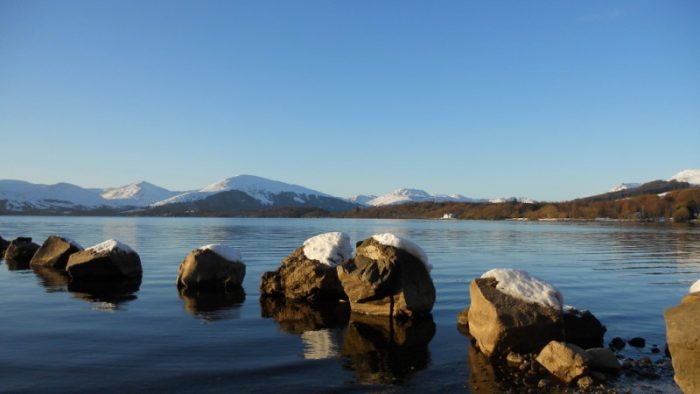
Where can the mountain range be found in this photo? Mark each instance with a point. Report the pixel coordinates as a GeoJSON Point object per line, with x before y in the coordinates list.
{"type": "Point", "coordinates": [234, 195]}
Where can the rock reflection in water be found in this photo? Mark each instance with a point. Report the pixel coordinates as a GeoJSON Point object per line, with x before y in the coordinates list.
{"type": "Point", "coordinates": [320, 326]}
{"type": "Point", "coordinates": [482, 376]}
{"type": "Point", "coordinates": [106, 295]}
{"type": "Point", "coordinates": [17, 265]}
{"type": "Point", "coordinates": [383, 350]}
{"type": "Point", "coordinates": [51, 279]}
{"type": "Point", "coordinates": [213, 305]}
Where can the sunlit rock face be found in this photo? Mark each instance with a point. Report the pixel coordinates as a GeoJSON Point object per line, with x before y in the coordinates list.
{"type": "Point", "coordinates": [683, 336]}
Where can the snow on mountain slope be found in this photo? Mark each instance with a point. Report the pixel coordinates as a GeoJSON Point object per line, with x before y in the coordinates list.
{"type": "Point", "coordinates": [625, 186]}
{"type": "Point", "coordinates": [524, 200]}
{"type": "Point", "coordinates": [21, 195]}
{"type": "Point", "coordinates": [261, 189]}
{"type": "Point", "coordinates": [402, 196]}
{"type": "Point", "coordinates": [141, 194]}
{"type": "Point", "coordinates": [362, 199]}
{"type": "Point", "coordinates": [690, 176]}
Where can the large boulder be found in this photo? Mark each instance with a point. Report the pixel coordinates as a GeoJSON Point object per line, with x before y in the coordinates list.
{"type": "Point", "coordinates": [566, 361]}
{"type": "Point", "coordinates": [108, 260]}
{"type": "Point", "coordinates": [513, 311]}
{"type": "Point", "coordinates": [683, 338]}
{"type": "Point", "coordinates": [20, 251]}
{"type": "Point", "coordinates": [388, 276]}
{"type": "Point", "coordinates": [309, 273]}
{"type": "Point", "coordinates": [55, 252]}
{"type": "Point", "coordinates": [212, 267]}
{"type": "Point", "coordinates": [582, 328]}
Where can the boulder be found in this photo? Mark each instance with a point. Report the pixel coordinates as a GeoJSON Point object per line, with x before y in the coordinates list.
{"type": "Point", "coordinates": [309, 273]}
{"type": "Point", "coordinates": [20, 251]}
{"type": "Point", "coordinates": [108, 260]}
{"type": "Point", "coordinates": [212, 267]}
{"type": "Point", "coordinates": [389, 277]}
{"type": "Point", "coordinates": [582, 328]}
{"type": "Point", "coordinates": [501, 322]}
{"type": "Point", "coordinates": [3, 245]}
{"type": "Point", "coordinates": [566, 361]}
{"type": "Point", "coordinates": [55, 252]}
{"type": "Point", "coordinates": [683, 338]}
{"type": "Point", "coordinates": [603, 360]}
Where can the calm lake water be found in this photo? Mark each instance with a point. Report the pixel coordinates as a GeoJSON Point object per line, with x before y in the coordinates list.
{"type": "Point", "coordinates": [57, 338]}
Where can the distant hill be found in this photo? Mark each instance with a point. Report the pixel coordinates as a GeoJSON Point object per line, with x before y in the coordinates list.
{"type": "Point", "coordinates": [653, 187]}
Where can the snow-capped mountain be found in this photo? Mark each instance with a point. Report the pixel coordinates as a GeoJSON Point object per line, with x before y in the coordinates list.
{"type": "Point", "coordinates": [624, 186]}
{"type": "Point", "coordinates": [402, 196]}
{"type": "Point", "coordinates": [690, 176]}
{"type": "Point", "coordinates": [362, 199]}
{"type": "Point", "coordinates": [141, 194]}
{"type": "Point", "coordinates": [524, 200]}
{"type": "Point", "coordinates": [262, 189]}
{"type": "Point", "coordinates": [21, 195]}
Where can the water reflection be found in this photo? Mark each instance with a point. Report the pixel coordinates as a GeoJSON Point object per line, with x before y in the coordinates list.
{"type": "Point", "coordinates": [106, 295]}
{"type": "Point", "coordinates": [17, 265]}
{"type": "Point", "coordinates": [320, 326]}
{"type": "Point", "coordinates": [482, 377]}
{"type": "Point", "coordinates": [51, 279]}
{"type": "Point", "coordinates": [213, 305]}
{"type": "Point", "coordinates": [382, 350]}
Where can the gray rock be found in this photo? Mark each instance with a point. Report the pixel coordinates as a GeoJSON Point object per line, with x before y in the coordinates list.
{"type": "Point", "coordinates": [54, 253]}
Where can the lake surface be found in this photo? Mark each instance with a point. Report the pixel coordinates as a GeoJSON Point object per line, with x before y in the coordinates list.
{"type": "Point", "coordinates": [57, 338]}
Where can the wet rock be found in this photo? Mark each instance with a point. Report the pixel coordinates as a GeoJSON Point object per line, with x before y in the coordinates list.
{"type": "Point", "coordinates": [108, 260]}
{"type": "Point", "coordinates": [212, 268]}
{"type": "Point", "coordinates": [617, 344]}
{"type": "Point", "coordinates": [54, 252]}
{"type": "Point", "coordinates": [565, 361]}
{"type": "Point", "coordinates": [20, 251]}
{"type": "Point", "coordinates": [603, 359]}
{"type": "Point", "coordinates": [212, 305]}
{"type": "Point", "coordinates": [501, 323]}
{"type": "Point", "coordinates": [301, 278]}
{"type": "Point", "coordinates": [582, 328]}
{"type": "Point", "coordinates": [387, 281]}
{"type": "Point", "coordinates": [637, 342]}
{"type": "Point", "coordinates": [683, 337]}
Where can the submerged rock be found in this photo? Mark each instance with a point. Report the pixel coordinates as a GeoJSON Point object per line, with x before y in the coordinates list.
{"type": "Point", "coordinates": [212, 267]}
{"type": "Point", "coordinates": [383, 279]}
{"type": "Point", "coordinates": [582, 328]}
{"type": "Point", "coordinates": [20, 251]}
{"type": "Point", "coordinates": [501, 322]}
{"type": "Point", "coordinates": [54, 252]}
{"type": "Point", "coordinates": [108, 260]}
{"type": "Point", "coordinates": [564, 360]}
{"type": "Point", "coordinates": [683, 337]}
{"type": "Point", "coordinates": [309, 273]}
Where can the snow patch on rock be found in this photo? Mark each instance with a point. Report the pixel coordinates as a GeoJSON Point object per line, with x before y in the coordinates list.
{"type": "Point", "coordinates": [109, 246]}
{"type": "Point", "coordinates": [522, 285]}
{"type": "Point", "coordinates": [226, 252]}
{"type": "Point", "coordinates": [695, 287]}
{"type": "Point", "coordinates": [389, 239]}
{"type": "Point", "coordinates": [329, 248]}
{"type": "Point", "coordinates": [70, 241]}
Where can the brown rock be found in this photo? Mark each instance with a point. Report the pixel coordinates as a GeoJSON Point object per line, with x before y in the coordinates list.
{"type": "Point", "coordinates": [564, 360]}
{"type": "Point", "coordinates": [386, 281]}
{"type": "Point", "coordinates": [20, 251]}
{"type": "Point", "coordinates": [207, 270]}
{"type": "Point", "coordinates": [603, 359]}
{"type": "Point", "coordinates": [54, 253]}
{"type": "Point", "coordinates": [104, 264]}
{"type": "Point", "coordinates": [683, 337]}
{"type": "Point", "coordinates": [582, 328]}
{"type": "Point", "coordinates": [300, 278]}
{"type": "Point", "coordinates": [501, 323]}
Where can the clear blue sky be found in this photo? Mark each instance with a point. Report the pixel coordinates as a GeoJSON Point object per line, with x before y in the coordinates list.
{"type": "Point", "coordinates": [546, 99]}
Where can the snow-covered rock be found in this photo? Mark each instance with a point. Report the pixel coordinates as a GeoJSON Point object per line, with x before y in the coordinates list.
{"type": "Point", "coordinates": [227, 252]}
{"type": "Point", "coordinates": [212, 267]}
{"type": "Point", "coordinates": [109, 246]}
{"type": "Point", "coordinates": [110, 259]}
{"type": "Point", "coordinates": [329, 248]}
{"type": "Point", "coordinates": [695, 287]}
{"type": "Point", "coordinates": [625, 186]}
{"type": "Point", "coordinates": [691, 176]}
{"type": "Point", "coordinates": [522, 285]}
{"type": "Point", "coordinates": [141, 194]}
{"type": "Point", "coordinates": [389, 239]}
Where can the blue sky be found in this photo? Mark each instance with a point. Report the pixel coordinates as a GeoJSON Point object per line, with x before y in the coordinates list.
{"type": "Point", "coordinates": [545, 99]}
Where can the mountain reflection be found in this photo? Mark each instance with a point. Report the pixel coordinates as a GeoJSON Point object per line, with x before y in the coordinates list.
{"type": "Point", "coordinates": [51, 279]}
{"type": "Point", "coordinates": [106, 295]}
{"type": "Point", "coordinates": [382, 350]}
{"type": "Point", "coordinates": [213, 305]}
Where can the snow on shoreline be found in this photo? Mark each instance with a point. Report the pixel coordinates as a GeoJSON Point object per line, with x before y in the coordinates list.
{"type": "Point", "coordinates": [226, 252]}
{"type": "Point", "coordinates": [389, 239]}
{"type": "Point", "coordinates": [110, 245]}
{"type": "Point", "coordinates": [331, 249]}
{"type": "Point", "coordinates": [522, 285]}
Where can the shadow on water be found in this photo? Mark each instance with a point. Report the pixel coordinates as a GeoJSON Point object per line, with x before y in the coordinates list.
{"type": "Point", "coordinates": [320, 325]}
{"type": "Point", "coordinates": [51, 279]}
{"type": "Point", "coordinates": [382, 350]}
{"type": "Point", "coordinates": [107, 295]}
{"type": "Point", "coordinates": [213, 305]}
